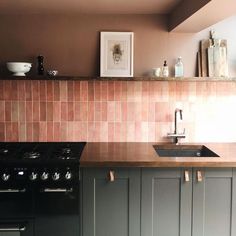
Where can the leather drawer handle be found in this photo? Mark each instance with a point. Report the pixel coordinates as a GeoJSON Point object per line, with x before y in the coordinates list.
{"type": "Point", "coordinates": [199, 176]}
{"type": "Point", "coordinates": [186, 176]}
{"type": "Point", "coordinates": [111, 176]}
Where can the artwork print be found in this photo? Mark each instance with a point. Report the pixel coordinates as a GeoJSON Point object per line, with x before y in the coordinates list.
{"type": "Point", "coordinates": [116, 54]}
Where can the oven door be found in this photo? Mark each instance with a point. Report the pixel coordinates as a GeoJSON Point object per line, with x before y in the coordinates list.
{"type": "Point", "coordinates": [16, 227]}
{"type": "Point", "coordinates": [15, 202]}
{"type": "Point", "coordinates": [57, 211]}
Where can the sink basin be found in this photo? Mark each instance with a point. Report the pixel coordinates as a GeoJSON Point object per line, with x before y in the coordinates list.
{"type": "Point", "coordinates": [169, 150]}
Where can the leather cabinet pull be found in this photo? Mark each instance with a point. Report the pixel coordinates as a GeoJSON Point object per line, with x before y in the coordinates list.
{"type": "Point", "coordinates": [199, 176]}
{"type": "Point", "coordinates": [186, 176]}
{"type": "Point", "coordinates": [111, 176]}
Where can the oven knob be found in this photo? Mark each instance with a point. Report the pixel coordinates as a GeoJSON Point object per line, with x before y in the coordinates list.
{"type": "Point", "coordinates": [68, 175]}
{"type": "Point", "coordinates": [33, 176]}
{"type": "Point", "coordinates": [56, 176]}
{"type": "Point", "coordinates": [44, 176]}
{"type": "Point", "coordinates": [5, 177]}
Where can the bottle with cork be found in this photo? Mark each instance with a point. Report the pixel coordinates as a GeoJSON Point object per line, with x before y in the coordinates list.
{"type": "Point", "coordinates": [179, 68]}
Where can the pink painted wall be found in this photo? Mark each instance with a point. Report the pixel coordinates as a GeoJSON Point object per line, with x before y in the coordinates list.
{"type": "Point", "coordinates": [123, 111]}
{"type": "Point", "coordinates": [70, 43]}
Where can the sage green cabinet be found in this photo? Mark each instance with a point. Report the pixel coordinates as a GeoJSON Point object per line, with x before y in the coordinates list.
{"type": "Point", "coordinates": [166, 202]}
{"type": "Point", "coordinates": [214, 202]}
{"type": "Point", "coordinates": [111, 208]}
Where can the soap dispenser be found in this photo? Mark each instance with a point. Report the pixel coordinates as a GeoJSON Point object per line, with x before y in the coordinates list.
{"type": "Point", "coordinates": [165, 70]}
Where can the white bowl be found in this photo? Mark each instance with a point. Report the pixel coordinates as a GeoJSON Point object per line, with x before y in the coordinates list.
{"type": "Point", "coordinates": [19, 68]}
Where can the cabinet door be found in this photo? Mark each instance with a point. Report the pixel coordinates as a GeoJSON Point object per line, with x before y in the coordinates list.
{"type": "Point", "coordinates": [214, 202]}
{"type": "Point", "coordinates": [111, 208]}
{"type": "Point", "coordinates": [166, 202]}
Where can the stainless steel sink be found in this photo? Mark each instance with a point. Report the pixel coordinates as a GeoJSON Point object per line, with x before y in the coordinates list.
{"type": "Point", "coordinates": [169, 150]}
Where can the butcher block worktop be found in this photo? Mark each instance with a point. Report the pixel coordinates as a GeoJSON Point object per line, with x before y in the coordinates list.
{"type": "Point", "coordinates": [144, 155]}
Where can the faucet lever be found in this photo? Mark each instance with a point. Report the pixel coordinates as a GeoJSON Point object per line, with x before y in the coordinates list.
{"type": "Point", "coordinates": [181, 114]}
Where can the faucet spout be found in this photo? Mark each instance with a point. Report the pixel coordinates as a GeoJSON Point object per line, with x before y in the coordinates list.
{"type": "Point", "coordinates": [176, 135]}
{"type": "Point", "coordinates": [181, 118]}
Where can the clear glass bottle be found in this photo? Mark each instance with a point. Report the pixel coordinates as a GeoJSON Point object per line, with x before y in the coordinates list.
{"type": "Point", "coordinates": [165, 70]}
{"type": "Point", "coordinates": [179, 68]}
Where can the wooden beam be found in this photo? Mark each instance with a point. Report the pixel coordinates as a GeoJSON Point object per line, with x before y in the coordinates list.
{"type": "Point", "coordinates": [195, 15]}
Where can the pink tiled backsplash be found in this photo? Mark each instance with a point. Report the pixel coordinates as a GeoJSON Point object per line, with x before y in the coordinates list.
{"type": "Point", "coordinates": [116, 111]}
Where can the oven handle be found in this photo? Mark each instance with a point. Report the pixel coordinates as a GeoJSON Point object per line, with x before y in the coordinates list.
{"type": "Point", "coordinates": [12, 229]}
{"type": "Point", "coordinates": [57, 190]}
{"type": "Point", "coordinates": [11, 190]}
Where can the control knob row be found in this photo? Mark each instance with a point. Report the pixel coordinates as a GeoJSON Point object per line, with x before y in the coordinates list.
{"type": "Point", "coordinates": [44, 176]}
{"type": "Point", "coordinates": [55, 176]}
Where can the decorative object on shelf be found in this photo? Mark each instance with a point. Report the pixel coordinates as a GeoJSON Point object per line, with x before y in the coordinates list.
{"type": "Point", "coordinates": [116, 54]}
{"type": "Point", "coordinates": [212, 58]}
{"type": "Point", "coordinates": [179, 68]}
{"type": "Point", "coordinates": [52, 72]}
{"type": "Point", "coordinates": [157, 72]}
{"type": "Point", "coordinates": [19, 68]}
{"type": "Point", "coordinates": [40, 65]}
{"type": "Point", "coordinates": [165, 69]}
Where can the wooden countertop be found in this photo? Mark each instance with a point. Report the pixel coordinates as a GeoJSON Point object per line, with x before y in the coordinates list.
{"type": "Point", "coordinates": [144, 155]}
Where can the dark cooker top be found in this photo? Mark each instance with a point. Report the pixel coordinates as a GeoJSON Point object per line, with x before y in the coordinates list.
{"type": "Point", "coordinates": [43, 152]}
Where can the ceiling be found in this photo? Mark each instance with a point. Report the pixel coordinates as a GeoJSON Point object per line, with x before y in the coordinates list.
{"type": "Point", "coordinates": [88, 6]}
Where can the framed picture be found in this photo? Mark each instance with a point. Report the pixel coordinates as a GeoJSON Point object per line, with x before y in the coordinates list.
{"type": "Point", "coordinates": [116, 54]}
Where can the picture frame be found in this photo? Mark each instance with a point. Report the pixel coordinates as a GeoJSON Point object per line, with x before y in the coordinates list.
{"type": "Point", "coordinates": [116, 54]}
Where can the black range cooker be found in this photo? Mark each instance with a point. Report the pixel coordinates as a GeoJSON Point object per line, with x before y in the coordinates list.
{"type": "Point", "coordinates": [39, 188]}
